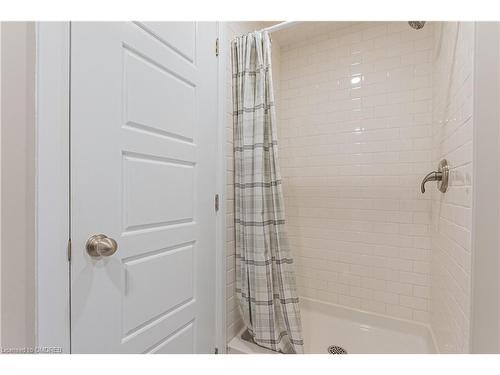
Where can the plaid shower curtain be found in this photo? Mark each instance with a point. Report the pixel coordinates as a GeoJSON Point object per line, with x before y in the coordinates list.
{"type": "Point", "coordinates": [265, 280]}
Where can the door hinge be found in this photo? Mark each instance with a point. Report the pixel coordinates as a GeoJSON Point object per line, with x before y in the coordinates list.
{"type": "Point", "coordinates": [217, 47]}
{"type": "Point", "coordinates": [69, 250]}
{"type": "Point", "coordinates": [216, 351]}
{"type": "Point", "coordinates": [216, 202]}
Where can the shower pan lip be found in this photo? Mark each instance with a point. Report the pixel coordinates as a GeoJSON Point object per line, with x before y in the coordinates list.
{"type": "Point", "coordinates": [325, 324]}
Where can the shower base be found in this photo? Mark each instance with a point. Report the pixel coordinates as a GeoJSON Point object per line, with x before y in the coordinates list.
{"type": "Point", "coordinates": [358, 332]}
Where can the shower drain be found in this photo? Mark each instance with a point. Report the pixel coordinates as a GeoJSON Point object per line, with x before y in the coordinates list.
{"type": "Point", "coordinates": [334, 349]}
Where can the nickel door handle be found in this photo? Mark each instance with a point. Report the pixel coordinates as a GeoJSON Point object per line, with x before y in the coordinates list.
{"type": "Point", "coordinates": [101, 245]}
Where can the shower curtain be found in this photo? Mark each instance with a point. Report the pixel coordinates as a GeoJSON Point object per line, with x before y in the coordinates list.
{"type": "Point", "coordinates": [265, 280]}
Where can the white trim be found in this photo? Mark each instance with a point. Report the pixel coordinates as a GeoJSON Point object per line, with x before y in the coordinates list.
{"type": "Point", "coordinates": [281, 26]}
{"type": "Point", "coordinates": [485, 279]}
{"type": "Point", "coordinates": [220, 269]}
{"type": "Point", "coordinates": [52, 185]}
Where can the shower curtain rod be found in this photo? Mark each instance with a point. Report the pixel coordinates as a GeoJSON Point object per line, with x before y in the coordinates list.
{"type": "Point", "coordinates": [281, 26]}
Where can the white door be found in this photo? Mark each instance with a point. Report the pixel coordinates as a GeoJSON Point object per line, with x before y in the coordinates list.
{"type": "Point", "coordinates": [143, 157]}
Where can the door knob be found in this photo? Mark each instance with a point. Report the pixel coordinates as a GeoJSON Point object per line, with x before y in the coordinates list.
{"type": "Point", "coordinates": [101, 245]}
{"type": "Point", "coordinates": [441, 176]}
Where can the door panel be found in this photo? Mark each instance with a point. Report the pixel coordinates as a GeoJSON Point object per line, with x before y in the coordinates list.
{"type": "Point", "coordinates": [158, 99]}
{"type": "Point", "coordinates": [149, 180]}
{"type": "Point", "coordinates": [143, 146]}
{"type": "Point", "coordinates": [161, 280]}
{"type": "Point", "coordinates": [178, 343]}
{"type": "Point", "coordinates": [179, 36]}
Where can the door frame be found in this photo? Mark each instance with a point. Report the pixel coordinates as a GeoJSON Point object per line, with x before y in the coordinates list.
{"type": "Point", "coordinates": [53, 292]}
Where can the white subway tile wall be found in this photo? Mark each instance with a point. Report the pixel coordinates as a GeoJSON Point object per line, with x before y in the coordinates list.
{"type": "Point", "coordinates": [365, 110]}
{"type": "Point", "coordinates": [355, 119]}
{"type": "Point", "coordinates": [452, 212]}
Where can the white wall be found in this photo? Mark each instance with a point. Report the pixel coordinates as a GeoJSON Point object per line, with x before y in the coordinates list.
{"type": "Point", "coordinates": [18, 184]}
{"type": "Point", "coordinates": [0, 185]}
{"type": "Point", "coordinates": [452, 212]}
{"type": "Point", "coordinates": [355, 142]}
{"type": "Point", "coordinates": [485, 320]}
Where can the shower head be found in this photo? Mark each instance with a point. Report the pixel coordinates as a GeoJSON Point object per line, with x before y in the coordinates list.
{"type": "Point", "coordinates": [417, 25]}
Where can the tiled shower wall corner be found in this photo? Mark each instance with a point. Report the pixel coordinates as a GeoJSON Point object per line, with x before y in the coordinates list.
{"type": "Point", "coordinates": [355, 115]}
{"type": "Point", "coordinates": [234, 322]}
{"type": "Point", "coordinates": [452, 212]}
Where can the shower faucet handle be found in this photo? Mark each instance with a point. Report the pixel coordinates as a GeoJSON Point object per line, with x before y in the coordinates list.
{"type": "Point", "coordinates": [433, 176]}
{"type": "Point", "coordinates": [441, 176]}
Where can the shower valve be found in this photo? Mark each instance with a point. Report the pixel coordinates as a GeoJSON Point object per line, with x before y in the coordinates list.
{"type": "Point", "coordinates": [441, 176]}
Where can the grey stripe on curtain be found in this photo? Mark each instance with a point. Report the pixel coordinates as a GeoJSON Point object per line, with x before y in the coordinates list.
{"type": "Point", "coordinates": [265, 280]}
